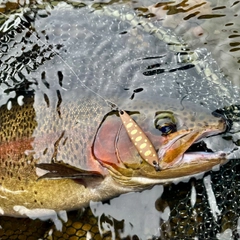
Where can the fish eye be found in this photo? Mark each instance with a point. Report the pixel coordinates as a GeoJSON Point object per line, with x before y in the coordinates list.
{"type": "Point", "coordinates": [167, 128]}
{"type": "Point", "coordinates": [165, 123]}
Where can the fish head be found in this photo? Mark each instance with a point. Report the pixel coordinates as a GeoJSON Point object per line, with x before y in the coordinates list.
{"type": "Point", "coordinates": [176, 130]}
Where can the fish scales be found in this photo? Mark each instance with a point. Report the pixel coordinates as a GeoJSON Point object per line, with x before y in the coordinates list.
{"type": "Point", "coordinates": [21, 123]}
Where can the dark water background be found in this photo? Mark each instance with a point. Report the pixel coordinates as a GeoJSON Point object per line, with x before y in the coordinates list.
{"type": "Point", "coordinates": [113, 57]}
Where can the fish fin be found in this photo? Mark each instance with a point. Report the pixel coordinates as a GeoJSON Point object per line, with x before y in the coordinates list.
{"type": "Point", "coordinates": [61, 170]}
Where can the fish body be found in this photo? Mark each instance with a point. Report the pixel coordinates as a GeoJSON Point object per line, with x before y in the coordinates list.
{"type": "Point", "coordinates": [62, 156]}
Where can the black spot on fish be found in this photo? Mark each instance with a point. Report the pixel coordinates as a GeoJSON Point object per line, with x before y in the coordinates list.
{"type": "Point", "coordinates": [154, 66]}
{"type": "Point", "coordinates": [43, 77]}
{"type": "Point", "coordinates": [147, 58]}
{"type": "Point", "coordinates": [46, 100]}
{"type": "Point", "coordinates": [154, 72]}
{"type": "Point", "coordinates": [59, 103]}
{"type": "Point", "coordinates": [188, 66]}
{"type": "Point", "coordinates": [45, 151]}
{"type": "Point", "coordinates": [137, 90]}
{"type": "Point", "coordinates": [60, 78]}
{"type": "Point", "coordinates": [59, 46]}
{"type": "Point", "coordinates": [124, 32]}
{"type": "Point", "coordinates": [65, 140]}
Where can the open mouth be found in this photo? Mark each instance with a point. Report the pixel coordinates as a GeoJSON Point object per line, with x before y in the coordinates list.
{"type": "Point", "coordinates": [199, 147]}
{"type": "Point", "coordinates": [187, 148]}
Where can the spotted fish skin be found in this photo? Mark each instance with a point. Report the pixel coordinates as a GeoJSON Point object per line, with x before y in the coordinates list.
{"type": "Point", "coordinates": [50, 157]}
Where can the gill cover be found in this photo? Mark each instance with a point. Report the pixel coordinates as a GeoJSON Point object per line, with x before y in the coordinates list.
{"type": "Point", "coordinates": [119, 142]}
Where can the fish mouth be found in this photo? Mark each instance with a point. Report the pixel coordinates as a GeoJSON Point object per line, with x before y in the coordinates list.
{"type": "Point", "coordinates": [179, 154]}
{"type": "Point", "coordinates": [200, 146]}
{"type": "Point", "coordinates": [188, 148]}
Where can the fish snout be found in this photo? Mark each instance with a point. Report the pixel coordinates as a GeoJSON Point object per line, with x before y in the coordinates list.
{"type": "Point", "coordinates": [224, 123]}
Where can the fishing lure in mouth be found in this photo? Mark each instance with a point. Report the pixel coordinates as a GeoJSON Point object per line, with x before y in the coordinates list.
{"type": "Point", "coordinates": [140, 140]}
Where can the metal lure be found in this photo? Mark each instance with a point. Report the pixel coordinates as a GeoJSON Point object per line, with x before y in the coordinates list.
{"type": "Point", "coordinates": [140, 140]}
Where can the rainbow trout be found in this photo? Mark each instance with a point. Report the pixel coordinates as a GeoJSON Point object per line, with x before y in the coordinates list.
{"type": "Point", "coordinates": [62, 156]}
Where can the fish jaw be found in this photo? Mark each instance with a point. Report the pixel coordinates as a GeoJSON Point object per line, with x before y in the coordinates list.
{"type": "Point", "coordinates": [173, 152]}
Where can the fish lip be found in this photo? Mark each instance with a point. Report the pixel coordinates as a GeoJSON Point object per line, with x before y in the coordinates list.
{"type": "Point", "coordinates": [185, 157]}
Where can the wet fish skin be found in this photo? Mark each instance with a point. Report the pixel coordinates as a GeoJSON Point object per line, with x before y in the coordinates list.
{"type": "Point", "coordinates": [24, 141]}
{"type": "Point", "coordinates": [33, 134]}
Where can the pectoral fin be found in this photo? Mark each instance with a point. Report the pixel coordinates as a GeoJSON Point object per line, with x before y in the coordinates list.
{"type": "Point", "coordinates": [62, 170]}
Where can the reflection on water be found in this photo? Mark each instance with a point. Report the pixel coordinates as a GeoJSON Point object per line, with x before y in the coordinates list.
{"type": "Point", "coordinates": [182, 49]}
